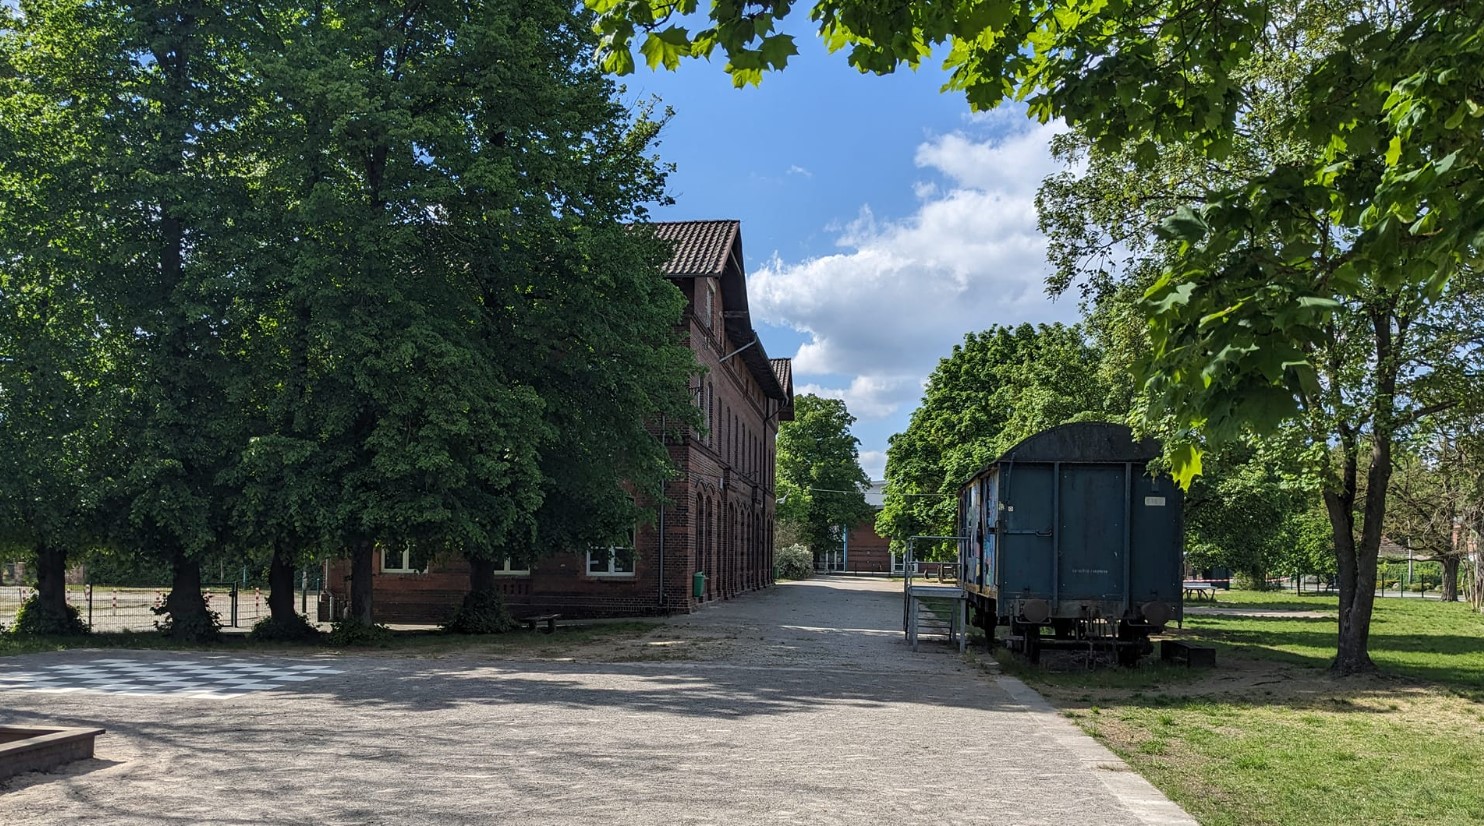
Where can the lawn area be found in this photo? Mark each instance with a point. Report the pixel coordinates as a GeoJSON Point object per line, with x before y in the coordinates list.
{"type": "Point", "coordinates": [1268, 737]}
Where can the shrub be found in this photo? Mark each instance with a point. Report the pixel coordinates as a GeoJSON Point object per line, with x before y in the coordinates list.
{"type": "Point", "coordinates": [793, 562]}
{"type": "Point", "coordinates": [37, 620]}
{"type": "Point", "coordinates": [297, 629]}
{"type": "Point", "coordinates": [349, 632]}
{"type": "Point", "coordinates": [483, 612]}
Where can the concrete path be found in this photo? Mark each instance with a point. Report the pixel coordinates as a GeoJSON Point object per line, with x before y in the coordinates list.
{"type": "Point", "coordinates": [801, 704]}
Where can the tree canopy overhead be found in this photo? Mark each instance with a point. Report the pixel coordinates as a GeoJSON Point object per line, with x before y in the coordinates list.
{"type": "Point", "coordinates": [1381, 92]}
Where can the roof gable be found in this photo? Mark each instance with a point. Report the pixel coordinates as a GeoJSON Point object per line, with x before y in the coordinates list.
{"type": "Point", "coordinates": [701, 247]}
{"type": "Point", "coordinates": [713, 249]}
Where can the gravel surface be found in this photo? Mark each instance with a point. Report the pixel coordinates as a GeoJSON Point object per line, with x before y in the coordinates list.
{"type": "Point", "coordinates": [799, 704]}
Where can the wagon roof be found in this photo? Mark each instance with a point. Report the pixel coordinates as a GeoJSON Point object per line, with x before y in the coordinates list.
{"type": "Point", "coordinates": [1082, 442]}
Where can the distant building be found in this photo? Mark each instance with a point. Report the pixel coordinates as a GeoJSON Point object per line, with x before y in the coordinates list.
{"type": "Point", "coordinates": [862, 550]}
{"type": "Point", "coordinates": [720, 522]}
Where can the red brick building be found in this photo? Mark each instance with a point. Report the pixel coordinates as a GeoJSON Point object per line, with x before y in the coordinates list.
{"type": "Point", "coordinates": [719, 520]}
{"type": "Point", "coordinates": [864, 551]}
{"type": "Point", "coordinates": [868, 551]}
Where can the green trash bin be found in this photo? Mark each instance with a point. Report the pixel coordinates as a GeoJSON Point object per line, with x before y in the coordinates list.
{"type": "Point", "coordinates": [698, 585]}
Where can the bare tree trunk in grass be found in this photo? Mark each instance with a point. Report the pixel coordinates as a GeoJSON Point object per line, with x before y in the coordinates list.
{"type": "Point", "coordinates": [1450, 578]}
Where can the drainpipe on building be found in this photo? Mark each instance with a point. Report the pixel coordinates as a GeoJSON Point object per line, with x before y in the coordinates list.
{"type": "Point", "coordinates": [661, 548]}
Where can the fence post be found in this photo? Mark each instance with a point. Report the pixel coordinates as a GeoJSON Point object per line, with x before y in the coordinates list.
{"type": "Point", "coordinates": [89, 588]}
{"type": "Point", "coordinates": [234, 603]}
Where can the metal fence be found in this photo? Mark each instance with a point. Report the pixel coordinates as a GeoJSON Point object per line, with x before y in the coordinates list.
{"type": "Point", "coordinates": [106, 608]}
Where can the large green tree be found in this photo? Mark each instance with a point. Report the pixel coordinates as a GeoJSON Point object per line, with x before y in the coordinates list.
{"type": "Point", "coordinates": [1272, 316]}
{"type": "Point", "coordinates": [468, 343]}
{"type": "Point", "coordinates": [146, 100]}
{"type": "Point", "coordinates": [821, 485]}
{"type": "Point", "coordinates": [997, 387]}
{"type": "Point", "coordinates": [373, 271]}
{"type": "Point", "coordinates": [54, 349]}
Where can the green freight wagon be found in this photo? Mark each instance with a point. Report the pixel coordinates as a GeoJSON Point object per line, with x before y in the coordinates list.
{"type": "Point", "coordinates": [1071, 541]}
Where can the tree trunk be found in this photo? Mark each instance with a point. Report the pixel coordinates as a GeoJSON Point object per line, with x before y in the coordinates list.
{"type": "Point", "coordinates": [1257, 577]}
{"type": "Point", "coordinates": [1450, 578]}
{"type": "Point", "coordinates": [51, 580]}
{"type": "Point", "coordinates": [190, 619]}
{"type": "Point", "coordinates": [362, 553]}
{"type": "Point", "coordinates": [281, 586]}
{"type": "Point", "coordinates": [1357, 591]}
{"type": "Point", "coordinates": [481, 576]}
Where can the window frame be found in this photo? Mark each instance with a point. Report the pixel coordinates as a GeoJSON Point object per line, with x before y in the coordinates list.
{"type": "Point", "coordinates": [405, 558]}
{"type": "Point", "coordinates": [505, 570]}
{"type": "Point", "coordinates": [612, 554]}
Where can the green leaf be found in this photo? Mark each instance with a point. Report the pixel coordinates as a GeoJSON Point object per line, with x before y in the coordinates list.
{"type": "Point", "coordinates": [778, 49]}
{"type": "Point", "coordinates": [1185, 462]}
{"type": "Point", "coordinates": [618, 62]}
{"type": "Point", "coordinates": [1184, 225]}
{"type": "Point", "coordinates": [666, 48]}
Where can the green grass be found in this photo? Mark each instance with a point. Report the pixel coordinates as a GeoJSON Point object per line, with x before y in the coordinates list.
{"type": "Point", "coordinates": [1434, 642]}
{"type": "Point", "coordinates": [397, 643]}
{"type": "Point", "coordinates": [1268, 737]}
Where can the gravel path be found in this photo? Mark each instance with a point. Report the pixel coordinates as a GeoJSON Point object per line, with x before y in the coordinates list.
{"type": "Point", "coordinates": [800, 704]}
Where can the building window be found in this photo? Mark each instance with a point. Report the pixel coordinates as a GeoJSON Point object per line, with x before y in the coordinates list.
{"type": "Point", "coordinates": [614, 560]}
{"type": "Point", "coordinates": [398, 560]}
{"type": "Point", "coordinates": [710, 303]}
{"type": "Point", "coordinates": [507, 567]}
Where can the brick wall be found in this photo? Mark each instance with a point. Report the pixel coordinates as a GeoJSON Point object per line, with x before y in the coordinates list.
{"type": "Point", "coordinates": [868, 551]}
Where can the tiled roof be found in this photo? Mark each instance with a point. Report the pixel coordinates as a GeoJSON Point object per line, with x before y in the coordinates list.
{"type": "Point", "coordinates": [701, 247]}
{"type": "Point", "coordinates": [784, 370]}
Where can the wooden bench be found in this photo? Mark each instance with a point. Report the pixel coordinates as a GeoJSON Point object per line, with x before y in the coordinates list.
{"type": "Point", "coordinates": [1175, 651]}
{"type": "Point", "coordinates": [550, 620]}
{"type": "Point", "coordinates": [1200, 590]}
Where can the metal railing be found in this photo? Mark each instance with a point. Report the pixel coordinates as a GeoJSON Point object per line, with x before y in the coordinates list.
{"type": "Point", "coordinates": [106, 608]}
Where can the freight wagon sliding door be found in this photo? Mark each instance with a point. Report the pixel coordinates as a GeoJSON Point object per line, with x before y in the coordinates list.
{"type": "Point", "coordinates": [1092, 528]}
{"type": "Point", "coordinates": [1157, 534]}
{"type": "Point", "coordinates": [1027, 555]}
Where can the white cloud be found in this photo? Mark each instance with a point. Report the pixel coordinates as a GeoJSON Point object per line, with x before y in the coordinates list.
{"type": "Point", "coordinates": [900, 293]}
{"type": "Point", "coordinates": [867, 396]}
{"type": "Point", "coordinates": [795, 169]}
{"type": "Point", "coordinates": [873, 462]}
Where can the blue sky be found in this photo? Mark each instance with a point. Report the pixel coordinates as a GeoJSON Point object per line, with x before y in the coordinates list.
{"type": "Point", "coordinates": [881, 220]}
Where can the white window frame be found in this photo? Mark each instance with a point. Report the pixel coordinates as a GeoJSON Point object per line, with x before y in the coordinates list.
{"type": "Point", "coordinates": [611, 553]}
{"type": "Point", "coordinates": [504, 569]}
{"type": "Point", "coordinates": [403, 556]}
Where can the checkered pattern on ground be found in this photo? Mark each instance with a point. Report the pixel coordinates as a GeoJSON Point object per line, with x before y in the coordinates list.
{"type": "Point", "coordinates": [211, 678]}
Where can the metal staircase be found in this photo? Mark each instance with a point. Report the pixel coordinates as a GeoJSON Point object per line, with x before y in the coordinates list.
{"type": "Point", "coordinates": [919, 616]}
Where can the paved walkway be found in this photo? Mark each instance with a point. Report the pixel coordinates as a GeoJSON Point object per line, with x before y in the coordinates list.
{"type": "Point", "coordinates": [801, 704]}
